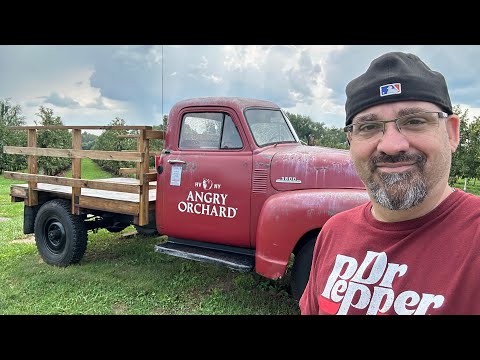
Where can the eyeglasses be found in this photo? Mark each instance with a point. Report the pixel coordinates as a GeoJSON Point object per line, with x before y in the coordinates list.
{"type": "Point", "coordinates": [407, 125]}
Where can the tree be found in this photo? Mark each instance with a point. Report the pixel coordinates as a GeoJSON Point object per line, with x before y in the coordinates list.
{"type": "Point", "coordinates": [11, 115]}
{"type": "Point", "coordinates": [322, 135]}
{"type": "Point", "coordinates": [473, 150]}
{"type": "Point", "coordinates": [109, 140]}
{"type": "Point", "coordinates": [88, 140]}
{"type": "Point", "coordinates": [46, 138]}
{"type": "Point", "coordinates": [466, 159]}
{"type": "Point", "coordinates": [165, 123]}
{"type": "Point", "coordinates": [458, 169]}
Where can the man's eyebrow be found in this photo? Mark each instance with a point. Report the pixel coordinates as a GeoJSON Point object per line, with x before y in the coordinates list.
{"type": "Point", "coordinates": [412, 110]}
{"type": "Point", "coordinates": [366, 117]}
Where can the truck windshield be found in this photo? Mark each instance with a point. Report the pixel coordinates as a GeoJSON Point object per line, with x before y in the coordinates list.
{"type": "Point", "coordinates": [269, 126]}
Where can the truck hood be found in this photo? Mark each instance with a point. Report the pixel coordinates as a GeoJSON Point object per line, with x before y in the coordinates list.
{"type": "Point", "coordinates": [306, 167]}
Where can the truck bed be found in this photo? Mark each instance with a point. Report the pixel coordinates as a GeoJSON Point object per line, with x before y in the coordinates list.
{"type": "Point", "coordinates": [122, 195]}
{"type": "Point", "coordinates": [114, 201]}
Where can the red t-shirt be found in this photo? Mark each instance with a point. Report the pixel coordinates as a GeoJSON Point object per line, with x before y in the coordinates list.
{"type": "Point", "coordinates": [429, 265]}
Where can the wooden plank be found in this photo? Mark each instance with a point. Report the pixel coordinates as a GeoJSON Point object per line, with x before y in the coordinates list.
{"type": "Point", "coordinates": [130, 180]}
{"type": "Point", "coordinates": [18, 191]}
{"type": "Point", "coordinates": [155, 134]}
{"type": "Point", "coordinates": [81, 183]}
{"type": "Point", "coordinates": [104, 194]}
{"type": "Point", "coordinates": [70, 153]}
{"type": "Point", "coordinates": [76, 169]}
{"type": "Point", "coordinates": [32, 168]}
{"type": "Point", "coordinates": [150, 176]}
{"type": "Point", "coordinates": [115, 206]}
{"type": "Point", "coordinates": [142, 169]}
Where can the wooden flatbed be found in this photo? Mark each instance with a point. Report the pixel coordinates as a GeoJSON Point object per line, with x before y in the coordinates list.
{"type": "Point", "coordinates": [122, 195]}
{"type": "Point", "coordinates": [122, 202]}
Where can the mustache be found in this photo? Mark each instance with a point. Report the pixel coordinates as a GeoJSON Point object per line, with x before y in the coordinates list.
{"type": "Point", "coordinates": [419, 159]}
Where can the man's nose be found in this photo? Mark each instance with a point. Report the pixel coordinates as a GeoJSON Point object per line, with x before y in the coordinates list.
{"type": "Point", "coordinates": [392, 141]}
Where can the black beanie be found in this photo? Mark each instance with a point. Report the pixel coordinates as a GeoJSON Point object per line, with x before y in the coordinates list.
{"type": "Point", "coordinates": [396, 76]}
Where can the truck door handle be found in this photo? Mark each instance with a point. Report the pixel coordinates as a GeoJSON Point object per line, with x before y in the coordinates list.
{"type": "Point", "coordinates": [174, 161]}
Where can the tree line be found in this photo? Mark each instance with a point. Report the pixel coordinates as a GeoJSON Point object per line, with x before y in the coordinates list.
{"type": "Point", "coordinates": [465, 162]}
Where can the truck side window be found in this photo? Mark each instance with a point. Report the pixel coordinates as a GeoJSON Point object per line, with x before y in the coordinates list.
{"type": "Point", "coordinates": [209, 131]}
{"type": "Point", "coordinates": [231, 138]}
{"type": "Point", "coordinates": [201, 131]}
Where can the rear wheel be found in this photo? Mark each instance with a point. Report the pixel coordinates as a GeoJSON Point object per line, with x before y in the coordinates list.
{"type": "Point", "coordinates": [301, 268]}
{"type": "Point", "coordinates": [60, 236]}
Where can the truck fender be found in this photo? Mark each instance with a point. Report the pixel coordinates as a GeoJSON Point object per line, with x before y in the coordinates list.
{"type": "Point", "coordinates": [287, 216]}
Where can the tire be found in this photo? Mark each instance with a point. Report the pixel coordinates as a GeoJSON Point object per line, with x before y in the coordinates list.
{"type": "Point", "coordinates": [60, 236]}
{"type": "Point", "coordinates": [301, 268]}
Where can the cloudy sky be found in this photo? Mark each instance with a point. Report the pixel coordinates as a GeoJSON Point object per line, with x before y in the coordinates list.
{"type": "Point", "coordinates": [94, 84]}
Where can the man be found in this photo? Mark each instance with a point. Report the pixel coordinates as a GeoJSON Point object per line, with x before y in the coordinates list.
{"type": "Point", "coordinates": [414, 248]}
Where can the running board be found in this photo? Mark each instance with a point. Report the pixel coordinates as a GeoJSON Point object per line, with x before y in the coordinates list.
{"type": "Point", "coordinates": [239, 262]}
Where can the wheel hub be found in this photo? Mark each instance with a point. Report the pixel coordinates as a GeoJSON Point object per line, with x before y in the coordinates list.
{"type": "Point", "coordinates": [56, 235]}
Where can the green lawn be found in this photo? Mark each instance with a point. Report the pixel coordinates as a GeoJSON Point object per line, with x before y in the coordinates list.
{"type": "Point", "coordinates": [90, 170]}
{"type": "Point", "coordinates": [11, 213]}
{"type": "Point", "coordinates": [471, 188]}
{"type": "Point", "coordinates": [122, 274]}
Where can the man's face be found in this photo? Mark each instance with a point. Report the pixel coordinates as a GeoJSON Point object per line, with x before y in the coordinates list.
{"type": "Point", "coordinates": [401, 169]}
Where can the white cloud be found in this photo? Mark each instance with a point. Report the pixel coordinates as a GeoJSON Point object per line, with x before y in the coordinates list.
{"type": "Point", "coordinates": [94, 84]}
{"type": "Point", "coordinates": [239, 58]}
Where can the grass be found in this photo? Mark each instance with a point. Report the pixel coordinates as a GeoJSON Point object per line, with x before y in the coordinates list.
{"type": "Point", "coordinates": [90, 170]}
{"type": "Point", "coordinates": [13, 227]}
{"type": "Point", "coordinates": [121, 274]}
{"type": "Point", "coordinates": [471, 188]}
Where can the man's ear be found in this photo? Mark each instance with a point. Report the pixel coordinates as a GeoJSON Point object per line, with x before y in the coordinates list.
{"type": "Point", "coordinates": [453, 131]}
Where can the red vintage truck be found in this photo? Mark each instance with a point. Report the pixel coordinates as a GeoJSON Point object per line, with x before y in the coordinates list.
{"type": "Point", "coordinates": [232, 186]}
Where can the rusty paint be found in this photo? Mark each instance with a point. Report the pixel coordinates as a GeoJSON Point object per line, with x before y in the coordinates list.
{"type": "Point", "coordinates": [315, 167]}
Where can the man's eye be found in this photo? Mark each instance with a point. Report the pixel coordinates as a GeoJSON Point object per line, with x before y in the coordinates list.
{"type": "Point", "coordinates": [416, 121]}
{"type": "Point", "coordinates": [369, 127]}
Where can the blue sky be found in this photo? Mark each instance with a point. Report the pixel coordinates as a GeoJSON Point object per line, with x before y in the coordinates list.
{"type": "Point", "coordinates": [94, 84]}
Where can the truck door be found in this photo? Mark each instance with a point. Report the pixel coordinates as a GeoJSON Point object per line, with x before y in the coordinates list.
{"type": "Point", "coordinates": [206, 183]}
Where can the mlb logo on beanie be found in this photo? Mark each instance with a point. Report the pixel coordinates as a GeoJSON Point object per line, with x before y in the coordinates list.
{"type": "Point", "coordinates": [390, 89]}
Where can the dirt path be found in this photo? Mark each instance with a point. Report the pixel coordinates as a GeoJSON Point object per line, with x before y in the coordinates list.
{"type": "Point", "coordinates": [28, 240]}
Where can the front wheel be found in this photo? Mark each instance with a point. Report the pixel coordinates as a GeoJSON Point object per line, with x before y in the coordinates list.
{"type": "Point", "coordinates": [60, 236]}
{"type": "Point", "coordinates": [301, 268]}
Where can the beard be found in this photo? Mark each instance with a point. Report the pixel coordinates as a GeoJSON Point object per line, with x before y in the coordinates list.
{"type": "Point", "coordinates": [398, 191]}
